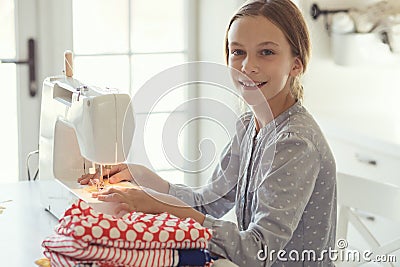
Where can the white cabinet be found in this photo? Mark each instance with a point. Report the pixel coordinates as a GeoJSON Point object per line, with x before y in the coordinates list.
{"type": "Point", "coordinates": [365, 157]}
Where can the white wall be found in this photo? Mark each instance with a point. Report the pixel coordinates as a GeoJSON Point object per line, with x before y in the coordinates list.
{"type": "Point", "coordinates": [363, 98]}
{"type": "Point", "coordinates": [214, 17]}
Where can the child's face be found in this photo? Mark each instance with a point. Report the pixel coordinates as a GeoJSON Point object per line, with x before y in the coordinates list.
{"type": "Point", "coordinates": [259, 49]}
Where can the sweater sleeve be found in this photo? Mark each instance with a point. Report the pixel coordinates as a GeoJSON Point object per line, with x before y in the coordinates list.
{"type": "Point", "coordinates": [277, 206]}
{"type": "Point", "coordinates": [218, 196]}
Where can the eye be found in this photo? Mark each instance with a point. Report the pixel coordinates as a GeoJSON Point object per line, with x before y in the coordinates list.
{"type": "Point", "coordinates": [266, 52]}
{"type": "Point", "coordinates": [237, 52]}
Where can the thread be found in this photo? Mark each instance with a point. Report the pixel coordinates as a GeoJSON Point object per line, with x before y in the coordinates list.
{"type": "Point", "coordinates": [68, 63]}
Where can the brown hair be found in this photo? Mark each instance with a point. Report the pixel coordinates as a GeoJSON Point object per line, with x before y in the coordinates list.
{"type": "Point", "coordinates": [288, 18]}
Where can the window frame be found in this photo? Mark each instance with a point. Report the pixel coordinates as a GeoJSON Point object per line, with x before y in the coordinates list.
{"type": "Point", "coordinates": [189, 53]}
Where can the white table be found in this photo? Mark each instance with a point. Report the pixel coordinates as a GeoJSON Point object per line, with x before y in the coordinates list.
{"type": "Point", "coordinates": [24, 224]}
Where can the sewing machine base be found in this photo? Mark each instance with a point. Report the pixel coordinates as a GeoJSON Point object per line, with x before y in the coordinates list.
{"type": "Point", "coordinates": [56, 197]}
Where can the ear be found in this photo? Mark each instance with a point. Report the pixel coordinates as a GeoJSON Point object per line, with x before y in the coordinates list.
{"type": "Point", "coordinates": [297, 67]}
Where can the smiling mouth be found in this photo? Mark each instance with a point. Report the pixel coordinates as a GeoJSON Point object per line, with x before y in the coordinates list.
{"type": "Point", "coordinates": [252, 85]}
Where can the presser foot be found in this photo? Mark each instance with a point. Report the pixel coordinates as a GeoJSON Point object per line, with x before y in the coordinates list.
{"type": "Point", "coordinates": [100, 185]}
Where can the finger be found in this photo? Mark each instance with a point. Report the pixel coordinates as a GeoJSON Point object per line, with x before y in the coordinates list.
{"type": "Point", "coordinates": [121, 214]}
{"type": "Point", "coordinates": [117, 168]}
{"type": "Point", "coordinates": [84, 176]}
{"type": "Point", "coordinates": [96, 194]}
{"type": "Point", "coordinates": [120, 176]}
{"type": "Point", "coordinates": [122, 209]}
{"type": "Point", "coordinates": [84, 179]}
{"type": "Point", "coordinates": [117, 189]}
{"type": "Point", "coordinates": [97, 173]}
{"type": "Point", "coordinates": [107, 191]}
{"type": "Point", "coordinates": [113, 197]}
{"type": "Point", "coordinates": [110, 190]}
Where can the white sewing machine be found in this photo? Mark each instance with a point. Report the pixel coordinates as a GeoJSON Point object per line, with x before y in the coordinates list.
{"type": "Point", "coordinates": [82, 128]}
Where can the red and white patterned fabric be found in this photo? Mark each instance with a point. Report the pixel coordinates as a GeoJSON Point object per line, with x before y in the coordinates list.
{"type": "Point", "coordinates": [137, 239]}
{"type": "Point", "coordinates": [67, 251]}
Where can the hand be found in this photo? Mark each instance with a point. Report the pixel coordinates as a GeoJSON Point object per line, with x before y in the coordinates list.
{"type": "Point", "coordinates": [132, 199]}
{"type": "Point", "coordinates": [117, 174]}
{"type": "Point", "coordinates": [147, 201]}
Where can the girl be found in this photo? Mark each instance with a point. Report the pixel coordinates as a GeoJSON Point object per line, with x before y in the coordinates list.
{"type": "Point", "coordinates": [285, 208]}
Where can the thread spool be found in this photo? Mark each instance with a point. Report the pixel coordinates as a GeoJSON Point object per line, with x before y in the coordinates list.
{"type": "Point", "coordinates": [68, 63]}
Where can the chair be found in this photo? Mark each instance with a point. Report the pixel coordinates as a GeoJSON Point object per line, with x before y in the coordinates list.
{"type": "Point", "coordinates": [355, 195]}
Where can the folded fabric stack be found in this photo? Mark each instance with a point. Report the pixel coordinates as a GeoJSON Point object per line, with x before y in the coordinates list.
{"type": "Point", "coordinates": [86, 237]}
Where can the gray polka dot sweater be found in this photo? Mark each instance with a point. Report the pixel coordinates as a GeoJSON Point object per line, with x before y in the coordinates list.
{"type": "Point", "coordinates": [282, 183]}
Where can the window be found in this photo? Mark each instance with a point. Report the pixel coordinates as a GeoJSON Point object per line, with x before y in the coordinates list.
{"type": "Point", "coordinates": [122, 45]}
{"type": "Point", "coordinates": [8, 108]}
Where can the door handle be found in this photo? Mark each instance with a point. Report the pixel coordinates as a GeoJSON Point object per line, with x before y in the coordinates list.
{"type": "Point", "coordinates": [31, 64]}
{"type": "Point", "coordinates": [366, 159]}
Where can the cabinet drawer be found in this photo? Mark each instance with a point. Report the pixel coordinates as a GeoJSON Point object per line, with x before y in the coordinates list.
{"type": "Point", "coordinates": [365, 162]}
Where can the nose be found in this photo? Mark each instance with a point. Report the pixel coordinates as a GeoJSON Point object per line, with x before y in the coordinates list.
{"type": "Point", "coordinates": [250, 65]}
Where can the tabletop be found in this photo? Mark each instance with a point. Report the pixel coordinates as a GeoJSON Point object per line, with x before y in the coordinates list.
{"type": "Point", "coordinates": [24, 223]}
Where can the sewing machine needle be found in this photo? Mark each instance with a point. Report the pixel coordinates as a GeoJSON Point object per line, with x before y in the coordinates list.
{"type": "Point", "coordinates": [101, 182]}
{"type": "Point", "coordinates": [108, 168]}
{"type": "Point", "coordinates": [101, 174]}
